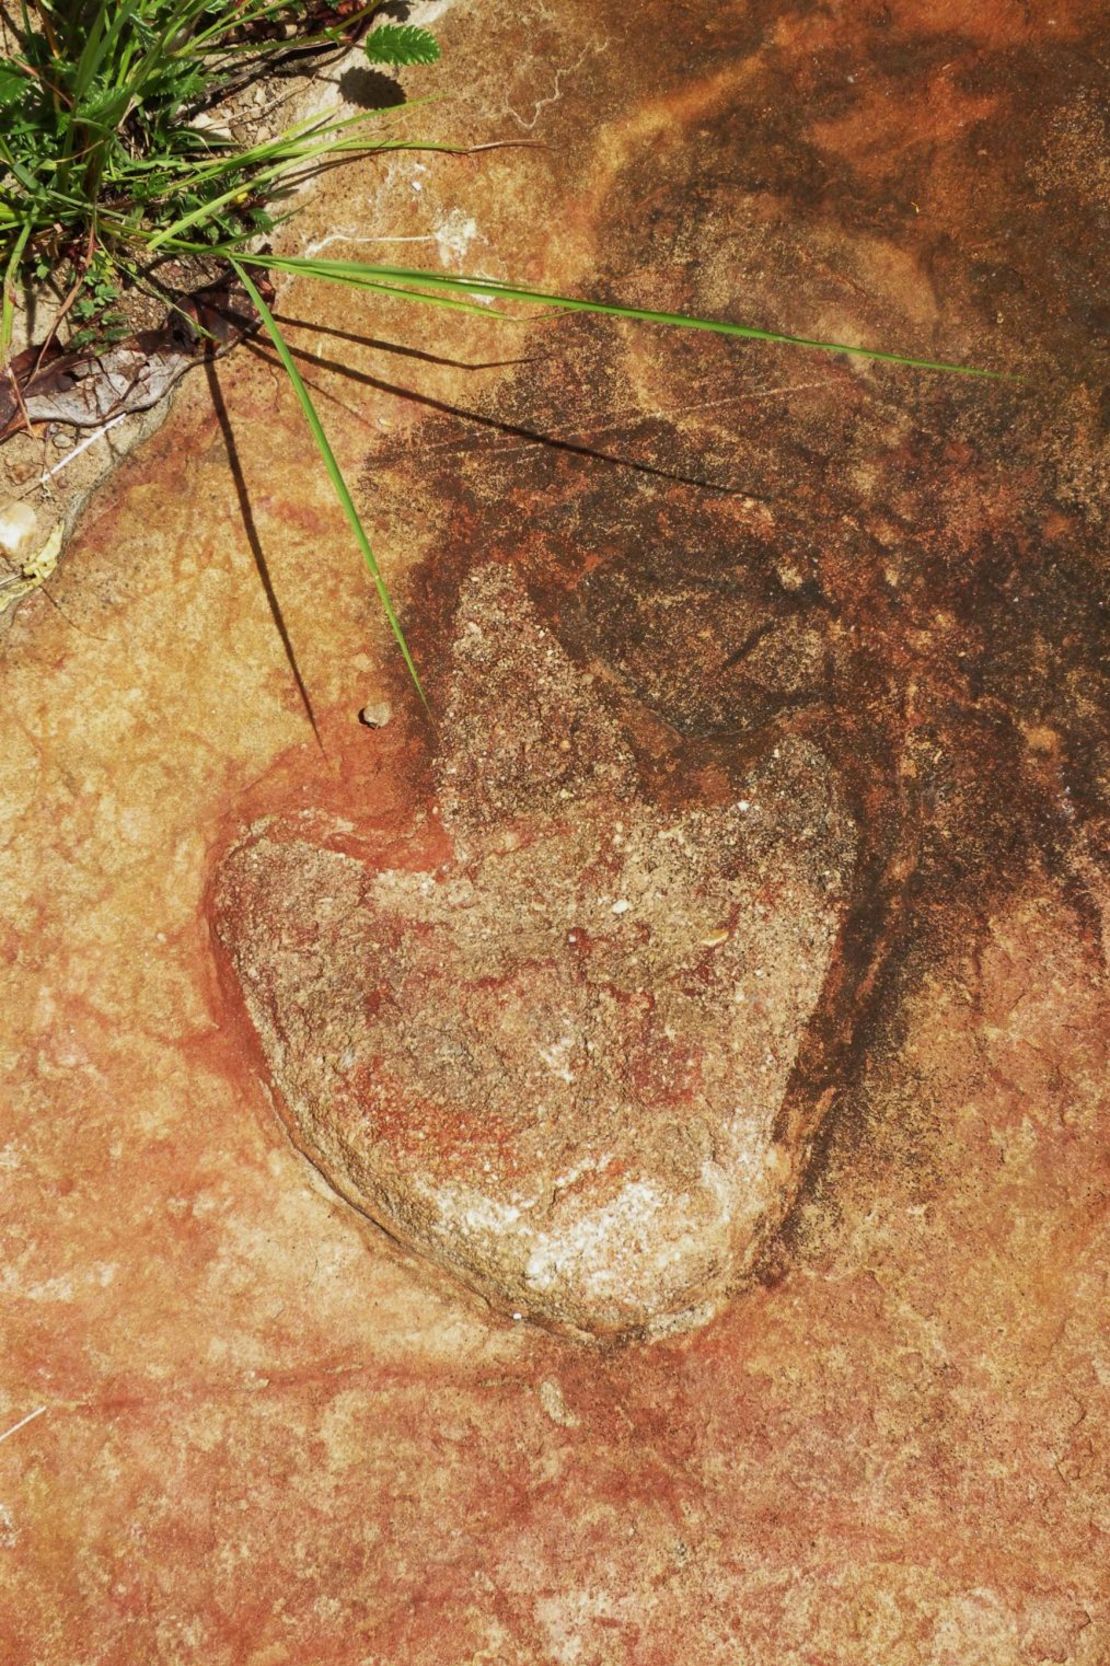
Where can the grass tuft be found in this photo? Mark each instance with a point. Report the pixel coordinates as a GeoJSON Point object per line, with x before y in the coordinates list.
{"type": "Point", "coordinates": [111, 164]}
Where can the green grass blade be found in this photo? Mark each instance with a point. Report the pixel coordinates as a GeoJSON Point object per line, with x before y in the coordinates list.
{"type": "Point", "coordinates": [300, 268]}
{"type": "Point", "coordinates": [342, 271]}
{"type": "Point", "coordinates": [303, 152]}
{"type": "Point", "coordinates": [224, 21]}
{"type": "Point", "coordinates": [7, 308]}
{"type": "Point", "coordinates": [227, 22]}
{"type": "Point", "coordinates": [331, 465]}
{"type": "Point", "coordinates": [401, 294]}
{"type": "Point", "coordinates": [92, 55]}
{"type": "Point", "coordinates": [28, 181]}
{"type": "Point", "coordinates": [309, 131]}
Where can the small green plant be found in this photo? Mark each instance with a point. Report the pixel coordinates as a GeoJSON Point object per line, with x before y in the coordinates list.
{"type": "Point", "coordinates": [107, 148]}
{"type": "Point", "coordinates": [110, 164]}
{"type": "Point", "coordinates": [402, 43]}
{"type": "Point", "coordinates": [95, 312]}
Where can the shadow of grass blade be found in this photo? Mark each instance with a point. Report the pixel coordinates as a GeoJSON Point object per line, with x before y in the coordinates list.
{"type": "Point", "coordinates": [334, 472]}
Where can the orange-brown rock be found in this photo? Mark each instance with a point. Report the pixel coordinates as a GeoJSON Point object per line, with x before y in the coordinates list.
{"type": "Point", "coordinates": [261, 1433]}
{"type": "Point", "coordinates": [551, 1055]}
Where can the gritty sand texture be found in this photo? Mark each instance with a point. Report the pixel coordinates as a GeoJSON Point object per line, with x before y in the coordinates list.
{"type": "Point", "coordinates": [553, 1057]}
{"type": "Point", "coordinates": [270, 1433]}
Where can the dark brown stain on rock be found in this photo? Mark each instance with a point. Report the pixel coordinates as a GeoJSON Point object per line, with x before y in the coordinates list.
{"type": "Point", "coordinates": [901, 567]}
{"type": "Point", "coordinates": [743, 549]}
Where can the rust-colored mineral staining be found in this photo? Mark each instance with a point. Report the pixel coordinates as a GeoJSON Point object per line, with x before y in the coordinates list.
{"type": "Point", "coordinates": [555, 1062]}
{"type": "Point", "coordinates": [649, 581]}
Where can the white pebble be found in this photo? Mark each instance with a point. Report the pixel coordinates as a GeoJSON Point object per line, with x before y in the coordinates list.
{"type": "Point", "coordinates": [18, 523]}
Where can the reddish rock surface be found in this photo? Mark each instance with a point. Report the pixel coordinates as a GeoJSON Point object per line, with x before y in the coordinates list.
{"type": "Point", "coordinates": [268, 1433]}
{"type": "Point", "coordinates": [553, 1055]}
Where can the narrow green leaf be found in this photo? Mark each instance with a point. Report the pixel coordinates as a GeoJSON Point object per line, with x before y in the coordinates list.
{"type": "Point", "coordinates": [360, 272]}
{"type": "Point", "coordinates": [27, 180]}
{"type": "Point", "coordinates": [292, 152]}
{"type": "Point", "coordinates": [304, 268]}
{"type": "Point", "coordinates": [335, 474]}
{"type": "Point", "coordinates": [7, 308]}
{"type": "Point", "coordinates": [442, 280]}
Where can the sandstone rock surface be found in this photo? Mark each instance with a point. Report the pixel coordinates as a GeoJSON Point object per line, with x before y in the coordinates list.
{"type": "Point", "coordinates": [551, 1056]}
{"type": "Point", "coordinates": [266, 1439]}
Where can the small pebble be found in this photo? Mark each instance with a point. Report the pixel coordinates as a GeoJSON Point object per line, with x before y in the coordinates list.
{"type": "Point", "coordinates": [375, 715]}
{"type": "Point", "coordinates": [18, 525]}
